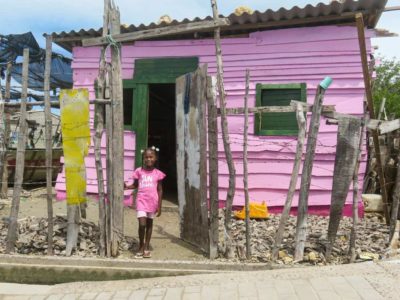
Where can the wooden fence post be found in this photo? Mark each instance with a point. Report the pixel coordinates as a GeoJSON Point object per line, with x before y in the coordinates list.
{"type": "Point", "coordinates": [225, 136]}
{"type": "Point", "coordinates": [20, 159]}
{"type": "Point", "coordinates": [4, 173]}
{"type": "Point", "coordinates": [110, 155]}
{"type": "Point", "coordinates": [49, 153]}
{"type": "Point", "coordinates": [213, 165]}
{"type": "Point", "coordinates": [99, 127]}
{"type": "Point", "coordinates": [301, 226]}
{"type": "Point", "coordinates": [353, 233]}
{"type": "Point", "coordinates": [301, 121]}
{"type": "Point", "coordinates": [3, 144]}
{"type": "Point", "coordinates": [118, 135]}
{"type": "Point", "coordinates": [245, 171]}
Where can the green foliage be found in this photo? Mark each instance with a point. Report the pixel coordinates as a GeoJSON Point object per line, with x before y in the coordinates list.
{"type": "Point", "coordinates": [387, 85]}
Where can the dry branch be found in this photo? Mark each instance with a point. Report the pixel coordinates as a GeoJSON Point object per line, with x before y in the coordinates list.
{"type": "Point", "coordinates": [301, 121]}
{"type": "Point", "coordinates": [20, 159]}
{"type": "Point", "coordinates": [225, 135]}
{"type": "Point", "coordinates": [49, 153]}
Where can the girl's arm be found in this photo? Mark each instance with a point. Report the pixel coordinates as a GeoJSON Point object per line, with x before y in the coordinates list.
{"type": "Point", "coordinates": [160, 192]}
{"type": "Point", "coordinates": [134, 185]}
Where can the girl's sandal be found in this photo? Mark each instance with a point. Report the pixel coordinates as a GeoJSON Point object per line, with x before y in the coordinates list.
{"type": "Point", "coordinates": [146, 254]}
{"type": "Point", "coordinates": [139, 255]}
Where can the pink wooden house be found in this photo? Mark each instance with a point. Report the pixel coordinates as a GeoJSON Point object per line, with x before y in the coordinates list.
{"type": "Point", "coordinates": [288, 53]}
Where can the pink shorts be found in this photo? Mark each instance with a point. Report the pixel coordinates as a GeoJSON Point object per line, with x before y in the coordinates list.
{"type": "Point", "coordinates": [143, 214]}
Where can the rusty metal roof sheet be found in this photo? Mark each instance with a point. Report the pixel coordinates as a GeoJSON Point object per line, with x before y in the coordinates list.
{"type": "Point", "coordinates": [334, 13]}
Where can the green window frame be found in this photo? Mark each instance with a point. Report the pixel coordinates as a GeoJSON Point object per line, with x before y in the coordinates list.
{"type": "Point", "coordinates": [278, 124]}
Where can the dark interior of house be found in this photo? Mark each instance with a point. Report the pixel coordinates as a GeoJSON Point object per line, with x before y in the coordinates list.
{"type": "Point", "coordinates": [162, 133]}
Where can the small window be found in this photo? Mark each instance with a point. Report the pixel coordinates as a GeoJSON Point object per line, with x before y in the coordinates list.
{"type": "Point", "coordinates": [278, 95]}
{"type": "Point", "coordinates": [128, 106]}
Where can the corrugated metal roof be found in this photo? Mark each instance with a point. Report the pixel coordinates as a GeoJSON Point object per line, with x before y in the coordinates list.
{"type": "Point", "coordinates": [320, 14]}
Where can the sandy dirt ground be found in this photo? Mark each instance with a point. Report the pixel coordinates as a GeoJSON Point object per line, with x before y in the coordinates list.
{"type": "Point", "coordinates": [165, 242]}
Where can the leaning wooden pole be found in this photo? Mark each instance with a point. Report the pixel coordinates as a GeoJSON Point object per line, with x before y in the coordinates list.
{"type": "Point", "coordinates": [117, 136]}
{"type": "Point", "coordinates": [3, 144]}
{"type": "Point", "coordinates": [301, 226]}
{"type": "Point", "coordinates": [20, 159]}
{"type": "Point", "coordinates": [245, 170]}
{"type": "Point", "coordinates": [353, 233]}
{"type": "Point", "coordinates": [301, 121]}
{"type": "Point", "coordinates": [4, 174]}
{"type": "Point", "coordinates": [225, 136]}
{"type": "Point", "coordinates": [368, 92]}
{"type": "Point", "coordinates": [49, 153]}
{"type": "Point", "coordinates": [213, 165]}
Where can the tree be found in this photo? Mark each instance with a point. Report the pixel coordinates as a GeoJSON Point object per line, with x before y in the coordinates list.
{"type": "Point", "coordinates": [387, 85]}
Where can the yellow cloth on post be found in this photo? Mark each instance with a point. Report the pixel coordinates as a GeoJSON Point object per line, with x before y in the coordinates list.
{"type": "Point", "coordinates": [76, 140]}
{"type": "Point", "coordinates": [256, 211]}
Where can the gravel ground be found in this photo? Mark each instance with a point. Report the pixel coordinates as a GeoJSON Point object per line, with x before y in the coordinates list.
{"type": "Point", "coordinates": [166, 244]}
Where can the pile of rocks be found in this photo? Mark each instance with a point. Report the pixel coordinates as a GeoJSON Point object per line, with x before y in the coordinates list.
{"type": "Point", "coordinates": [372, 237]}
{"type": "Point", "coordinates": [32, 237]}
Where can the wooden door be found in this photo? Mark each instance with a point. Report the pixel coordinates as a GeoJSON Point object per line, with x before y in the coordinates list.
{"type": "Point", "coordinates": [191, 157]}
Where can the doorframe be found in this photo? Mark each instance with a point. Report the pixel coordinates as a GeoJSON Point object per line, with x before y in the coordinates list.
{"type": "Point", "coordinates": [146, 73]}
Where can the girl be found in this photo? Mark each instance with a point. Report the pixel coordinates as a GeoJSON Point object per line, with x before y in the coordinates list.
{"type": "Point", "coordinates": [148, 182]}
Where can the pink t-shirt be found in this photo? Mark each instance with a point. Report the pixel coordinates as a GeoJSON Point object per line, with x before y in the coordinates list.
{"type": "Point", "coordinates": [147, 196]}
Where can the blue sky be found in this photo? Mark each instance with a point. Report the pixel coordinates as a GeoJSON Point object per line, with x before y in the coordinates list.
{"type": "Point", "coordinates": [46, 16]}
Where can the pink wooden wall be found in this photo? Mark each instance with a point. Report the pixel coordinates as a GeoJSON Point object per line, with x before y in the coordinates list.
{"type": "Point", "coordinates": [277, 56]}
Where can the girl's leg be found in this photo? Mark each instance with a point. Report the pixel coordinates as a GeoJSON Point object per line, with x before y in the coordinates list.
{"type": "Point", "coordinates": [149, 230]}
{"type": "Point", "coordinates": [142, 230]}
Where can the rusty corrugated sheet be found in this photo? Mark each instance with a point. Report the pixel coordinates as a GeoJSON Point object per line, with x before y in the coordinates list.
{"type": "Point", "coordinates": [333, 13]}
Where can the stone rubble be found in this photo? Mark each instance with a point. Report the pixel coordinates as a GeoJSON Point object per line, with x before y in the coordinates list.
{"type": "Point", "coordinates": [372, 239]}
{"type": "Point", "coordinates": [32, 237]}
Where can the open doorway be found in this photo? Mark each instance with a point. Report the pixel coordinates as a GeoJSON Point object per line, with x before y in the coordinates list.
{"type": "Point", "coordinates": [162, 134]}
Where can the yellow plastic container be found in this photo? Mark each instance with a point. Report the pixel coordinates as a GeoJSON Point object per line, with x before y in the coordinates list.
{"type": "Point", "coordinates": [256, 211]}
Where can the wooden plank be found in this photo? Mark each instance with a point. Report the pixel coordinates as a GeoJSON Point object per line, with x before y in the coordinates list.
{"type": "Point", "coordinates": [54, 103]}
{"type": "Point", "coordinates": [195, 227]}
{"type": "Point", "coordinates": [213, 165]}
{"type": "Point", "coordinates": [225, 136]}
{"type": "Point", "coordinates": [49, 142]}
{"type": "Point", "coordinates": [348, 140]}
{"type": "Point", "coordinates": [117, 135]}
{"type": "Point", "coordinates": [389, 126]}
{"type": "Point", "coordinates": [274, 109]}
{"type": "Point", "coordinates": [301, 226]}
{"type": "Point", "coordinates": [180, 88]}
{"type": "Point", "coordinates": [245, 171]}
{"type": "Point", "coordinates": [19, 168]}
{"type": "Point", "coordinates": [201, 103]}
{"type": "Point", "coordinates": [157, 32]}
{"type": "Point", "coordinates": [383, 126]}
{"type": "Point", "coordinates": [368, 92]}
{"type": "Point", "coordinates": [301, 120]}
